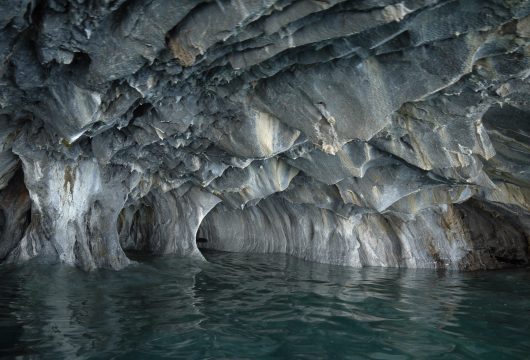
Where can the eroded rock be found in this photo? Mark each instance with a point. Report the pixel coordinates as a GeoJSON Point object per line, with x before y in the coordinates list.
{"type": "Point", "coordinates": [352, 132]}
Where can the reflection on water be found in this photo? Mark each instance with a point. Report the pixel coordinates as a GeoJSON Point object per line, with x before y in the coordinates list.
{"type": "Point", "coordinates": [262, 306]}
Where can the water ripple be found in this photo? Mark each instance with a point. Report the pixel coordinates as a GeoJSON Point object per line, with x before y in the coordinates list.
{"type": "Point", "coordinates": [262, 306]}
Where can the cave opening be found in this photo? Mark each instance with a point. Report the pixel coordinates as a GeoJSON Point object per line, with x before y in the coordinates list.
{"type": "Point", "coordinates": [15, 213]}
{"type": "Point", "coordinates": [201, 242]}
{"type": "Point", "coordinates": [202, 237]}
{"type": "Point", "coordinates": [2, 221]}
{"type": "Point", "coordinates": [134, 231]}
{"type": "Point", "coordinates": [207, 237]}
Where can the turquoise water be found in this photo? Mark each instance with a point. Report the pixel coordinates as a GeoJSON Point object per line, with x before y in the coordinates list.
{"type": "Point", "coordinates": [262, 307]}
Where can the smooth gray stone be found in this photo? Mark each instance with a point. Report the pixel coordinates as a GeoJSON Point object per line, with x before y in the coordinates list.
{"type": "Point", "coordinates": [352, 160]}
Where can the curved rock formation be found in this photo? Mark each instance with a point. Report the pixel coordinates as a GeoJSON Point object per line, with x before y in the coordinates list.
{"type": "Point", "coordinates": [352, 132]}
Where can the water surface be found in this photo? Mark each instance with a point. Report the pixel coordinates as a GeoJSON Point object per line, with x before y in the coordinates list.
{"type": "Point", "coordinates": [240, 306]}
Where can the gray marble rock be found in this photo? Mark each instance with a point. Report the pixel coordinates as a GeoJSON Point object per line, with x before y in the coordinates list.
{"type": "Point", "coordinates": [352, 132]}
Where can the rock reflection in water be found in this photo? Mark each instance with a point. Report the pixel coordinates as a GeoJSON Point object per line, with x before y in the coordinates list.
{"type": "Point", "coordinates": [262, 306]}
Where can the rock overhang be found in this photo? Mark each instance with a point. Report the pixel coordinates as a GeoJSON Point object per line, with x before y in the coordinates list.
{"type": "Point", "coordinates": [351, 132]}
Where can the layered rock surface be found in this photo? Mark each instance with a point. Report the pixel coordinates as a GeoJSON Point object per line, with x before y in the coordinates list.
{"type": "Point", "coordinates": [360, 132]}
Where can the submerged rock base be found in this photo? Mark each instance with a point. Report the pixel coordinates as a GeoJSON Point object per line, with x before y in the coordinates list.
{"type": "Point", "coordinates": [361, 132]}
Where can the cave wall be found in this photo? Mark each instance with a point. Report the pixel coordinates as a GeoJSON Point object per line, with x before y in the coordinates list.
{"type": "Point", "coordinates": [352, 132]}
{"type": "Point", "coordinates": [459, 237]}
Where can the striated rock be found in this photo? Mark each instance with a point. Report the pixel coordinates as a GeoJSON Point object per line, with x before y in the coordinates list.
{"type": "Point", "coordinates": [353, 132]}
{"type": "Point", "coordinates": [459, 237]}
{"type": "Point", "coordinates": [166, 223]}
{"type": "Point", "coordinates": [74, 209]}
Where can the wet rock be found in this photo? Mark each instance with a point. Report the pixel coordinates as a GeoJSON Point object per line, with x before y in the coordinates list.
{"type": "Point", "coordinates": [460, 237]}
{"type": "Point", "coordinates": [75, 206]}
{"type": "Point", "coordinates": [167, 223]}
{"type": "Point", "coordinates": [353, 132]}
